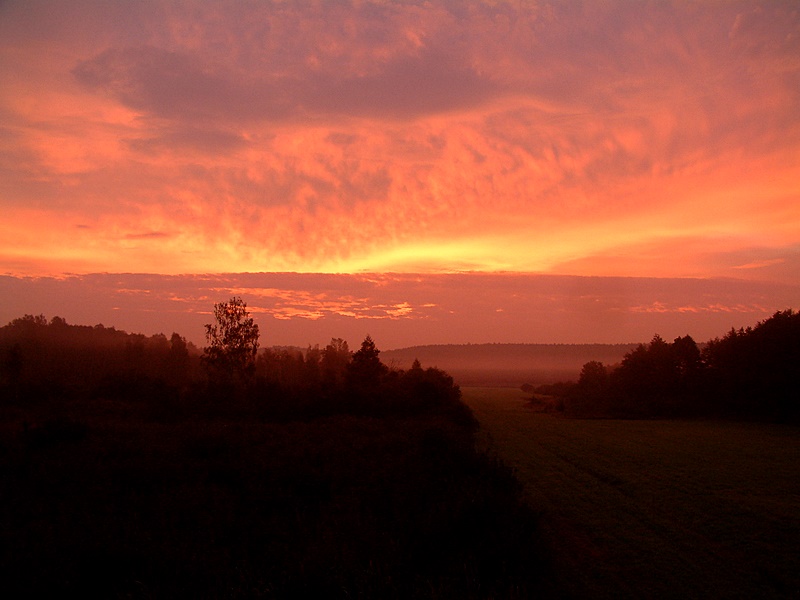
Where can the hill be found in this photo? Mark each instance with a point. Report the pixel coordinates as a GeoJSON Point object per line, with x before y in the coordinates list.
{"type": "Point", "coordinates": [131, 468]}
{"type": "Point", "coordinates": [508, 364]}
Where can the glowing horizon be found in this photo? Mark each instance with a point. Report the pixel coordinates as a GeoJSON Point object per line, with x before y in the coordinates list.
{"type": "Point", "coordinates": [401, 310]}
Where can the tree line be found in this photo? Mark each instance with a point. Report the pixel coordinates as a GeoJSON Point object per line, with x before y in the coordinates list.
{"type": "Point", "coordinates": [52, 360]}
{"type": "Point", "coordinates": [289, 383]}
{"type": "Point", "coordinates": [748, 373]}
{"type": "Point", "coordinates": [42, 360]}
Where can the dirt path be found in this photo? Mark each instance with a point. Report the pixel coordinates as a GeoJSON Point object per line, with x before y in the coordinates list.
{"type": "Point", "coordinates": [656, 509]}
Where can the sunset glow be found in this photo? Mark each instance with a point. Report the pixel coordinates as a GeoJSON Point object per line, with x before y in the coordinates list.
{"type": "Point", "coordinates": [586, 139]}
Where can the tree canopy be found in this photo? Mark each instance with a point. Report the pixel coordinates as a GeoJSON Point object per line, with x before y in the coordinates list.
{"type": "Point", "coordinates": [232, 341]}
{"type": "Point", "coordinates": [748, 373]}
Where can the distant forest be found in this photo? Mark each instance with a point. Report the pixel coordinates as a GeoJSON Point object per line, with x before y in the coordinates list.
{"type": "Point", "coordinates": [509, 365]}
{"type": "Point", "coordinates": [749, 373]}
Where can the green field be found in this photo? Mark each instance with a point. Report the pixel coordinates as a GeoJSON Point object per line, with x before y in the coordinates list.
{"type": "Point", "coordinates": [655, 509]}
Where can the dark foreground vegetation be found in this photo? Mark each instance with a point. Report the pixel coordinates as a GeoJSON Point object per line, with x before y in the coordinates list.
{"type": "Point", "coordinates": [131, 466]}
{"type": "Point", "coordinates": [750, 373]}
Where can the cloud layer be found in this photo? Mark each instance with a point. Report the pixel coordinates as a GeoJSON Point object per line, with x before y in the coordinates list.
{"type": "Point", "coordinates": [401, 310]}
{"type": "Point", "coordinates": [616, 138]}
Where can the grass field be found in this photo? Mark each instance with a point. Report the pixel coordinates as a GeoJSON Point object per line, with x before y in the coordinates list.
{"type": "Point", "coordinates": [655, 509]}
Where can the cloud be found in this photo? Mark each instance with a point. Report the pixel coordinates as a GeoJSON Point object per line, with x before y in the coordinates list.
{"type": "Point", "coordinates": [578, 136]}
{"type": "Point", "coordinates": [144, 235]}
{"type": "Point", "coordinates": [760, 264]}
{"type": "Point", "coordinates": [188, 138]}
{"type": "Point", "coordinates": [426, 84]}
{"type": "Point", "coordinates": [178, 86]}
{"type": "Point", "coordinates": [175, 85]}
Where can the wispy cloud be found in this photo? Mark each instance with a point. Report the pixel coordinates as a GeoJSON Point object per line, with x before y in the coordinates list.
{"type": "Point", "coordinates": [760, 264]}
{"type": "Point", "coordinates": [144, 235]}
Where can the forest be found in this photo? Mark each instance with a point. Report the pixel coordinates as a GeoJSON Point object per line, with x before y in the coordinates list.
{"type": "Point", "coordinates": [749, 373]}
{"type": "Point", "coordinates": [143, 467]}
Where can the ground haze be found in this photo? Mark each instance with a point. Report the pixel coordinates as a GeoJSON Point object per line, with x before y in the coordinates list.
{"type": "Point", "coordinates": [509, 365]}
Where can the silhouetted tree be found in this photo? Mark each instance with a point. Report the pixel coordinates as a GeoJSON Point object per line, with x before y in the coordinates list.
{"type": "Point", "coordinates": [593, 377]}
{"type": "Point", "coordinates": [645, 380]}
{"type": "Point", "coordinates": [178, 360]}
{"type": "Point", "coordinates": [233, 342]}
{"type": "Point", "coordinates": [284, 367]}
{"type": "Point", "coordinates": [335, 359]}
{"type": "Point", "coordinates": [756, 369]}
{"type": "Point", "coordinates": [366, 368]}
{"type": "Point", "coordinates": [58, 322]}
{"type": "Point", "coordinates": [687, 365]}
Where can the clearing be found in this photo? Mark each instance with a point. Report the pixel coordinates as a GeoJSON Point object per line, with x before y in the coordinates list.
{"type": "Point", "coordinates": [655, 509]}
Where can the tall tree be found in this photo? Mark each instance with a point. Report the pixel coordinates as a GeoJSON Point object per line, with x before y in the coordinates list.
{"type": "Point", "coordinates": [366, 368]}
{"type": "Point", "coordinates": [233, 342]}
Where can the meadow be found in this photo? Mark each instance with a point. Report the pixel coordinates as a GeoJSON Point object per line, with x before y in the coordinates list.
{"type": "Point", "coordinates": [654, 508]}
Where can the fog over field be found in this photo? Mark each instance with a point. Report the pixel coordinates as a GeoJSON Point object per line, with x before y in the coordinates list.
{"type": "Point", "coordinates": [508, 364]}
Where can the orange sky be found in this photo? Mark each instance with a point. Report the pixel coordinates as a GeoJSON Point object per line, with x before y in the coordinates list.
{"type": "Point", "coordinates": [401, 310]}
{"type": "Point", "coordinates": [602, 139]}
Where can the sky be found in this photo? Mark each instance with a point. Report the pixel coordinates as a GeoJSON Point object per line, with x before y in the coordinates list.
{"type": "Point", "coordinates": [432, 171]}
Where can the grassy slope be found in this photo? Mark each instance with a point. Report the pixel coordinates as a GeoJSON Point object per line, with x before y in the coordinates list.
{"type": "Point", "coordinates": [656, 508]}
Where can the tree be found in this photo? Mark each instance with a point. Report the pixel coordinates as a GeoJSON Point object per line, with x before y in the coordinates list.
{"type": "Point", "coordinates": [687, 364]}
{"type": "Point", "coordinates": [593, 378]}
{"type": "Point", "coordinates": [755, 369]}
{"type": "Point", "coordinates": [366, 368]}
{"type": "Point", "coordinates": [178, 360]}
{"type": "Point", "coordinates": [233, 342]}
{"type": "Point", "coordinates": [334, 362]}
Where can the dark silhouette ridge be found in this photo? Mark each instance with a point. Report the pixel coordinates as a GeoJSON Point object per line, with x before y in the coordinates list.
{"type": "Point", "coordinates": [44, 360]}
{"type": "Point", "coordinates": [131, 468]}
{"type": "Point", "coordinates": [750, 373]}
